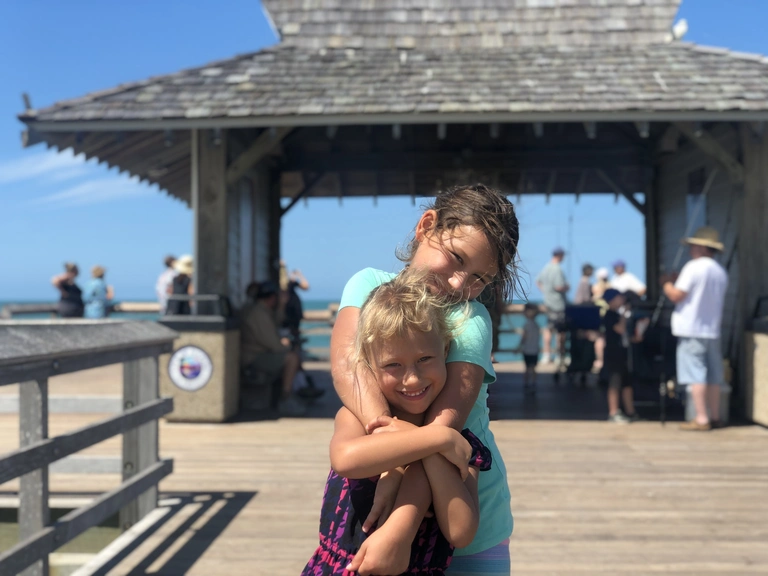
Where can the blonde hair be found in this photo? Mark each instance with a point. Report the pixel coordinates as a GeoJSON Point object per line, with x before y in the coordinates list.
{"type": "Point", "coordinates": [98, 271]}
{"type": "Point", "coordinates": [395, 308]}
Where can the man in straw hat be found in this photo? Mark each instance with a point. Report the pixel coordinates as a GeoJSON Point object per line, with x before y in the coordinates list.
{"type": "Point", "coordinates": [698, 294]}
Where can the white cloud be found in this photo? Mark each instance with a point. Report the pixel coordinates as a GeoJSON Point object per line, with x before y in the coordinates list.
{"type": "Point", "coordinates": [96, 192]}
{"type": "Point", "coordinates": [48, 165]}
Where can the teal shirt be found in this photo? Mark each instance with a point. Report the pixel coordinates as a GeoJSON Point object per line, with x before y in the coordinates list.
{"type": "Point", "coordinates": [473, 345]}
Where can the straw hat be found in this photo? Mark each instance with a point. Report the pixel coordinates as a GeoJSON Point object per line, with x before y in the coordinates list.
{"type": "Point", "coordinates": [184, 265]}
{"type": "Point", "coordinates": [706, 236]}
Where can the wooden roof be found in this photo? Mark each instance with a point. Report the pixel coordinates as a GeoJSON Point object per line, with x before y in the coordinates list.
{"type": "Point", "coordinates": [291, 85]}
{"type": "Point", "coordinates": [470, 24]}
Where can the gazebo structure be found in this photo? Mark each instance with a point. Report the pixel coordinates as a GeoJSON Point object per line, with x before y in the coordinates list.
{"type": "Point", "coordinates": [388, 97]}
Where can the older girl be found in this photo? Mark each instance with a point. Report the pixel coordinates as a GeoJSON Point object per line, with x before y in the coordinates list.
{"type": "Point", "coordinates": [467, 240]}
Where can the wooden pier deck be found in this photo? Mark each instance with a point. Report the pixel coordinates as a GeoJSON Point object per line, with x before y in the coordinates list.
{"type": "Point", "coordinates": [589, 497]}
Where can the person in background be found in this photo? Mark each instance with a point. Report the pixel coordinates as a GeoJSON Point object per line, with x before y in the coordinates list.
{"type": "Point", "coordinates": [181, 285]}
{"type": "Point", "coordinates": [699, 295]}
{"type": "Point", "coordinates": [616, 361]}
{"type": "Point", "coordinates": [293, 311]}
{"type": "Point", "coordinates": [164, 281]}
{"type": "Point", "coordinates": [71, 297]}
{"type": "Point", "coordinates": [262, 349]}
{"type": "Point", "coordinates": [624, 281]}
{"type": "Point", "coordinates": [529, 347]}
{"type": "Point", "coordinates": [601, 285]}
{"type": "Point", "coordinates": [584, 289]}
{"type": "Point", "coordinates": [553, 286]}
{"type": "Point", "coordinates": [97, 294]}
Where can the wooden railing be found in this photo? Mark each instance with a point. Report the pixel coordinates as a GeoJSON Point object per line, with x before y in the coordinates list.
{"type": "Point", "coordinates": [328, 316]}
{"type": "Point", "coordinates": [8, 311]}
{"type": "Point", "coordinates": [30, 353]}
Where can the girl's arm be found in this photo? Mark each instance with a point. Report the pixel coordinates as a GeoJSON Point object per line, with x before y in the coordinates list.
{"type": "Point", "coordinates": [357, 455]}
{"type": "Point", "coordinates": [454, 403]}
{"type": "Point", "coordinates": [455, 501]}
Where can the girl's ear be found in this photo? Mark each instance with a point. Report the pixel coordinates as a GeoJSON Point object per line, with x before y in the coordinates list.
{"type": "Point", "coordinates": [426, 225]}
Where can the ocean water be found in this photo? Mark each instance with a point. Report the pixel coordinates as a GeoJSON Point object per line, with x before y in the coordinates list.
{"type": "Point", "coordinates": [506, 341]}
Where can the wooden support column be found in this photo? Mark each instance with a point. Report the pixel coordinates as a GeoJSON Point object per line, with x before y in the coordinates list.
{"type": "Point", "coordinates": [753, 240]}
{"type": "Point", "coordinates": [140, 445]}
{"type": "Point", "coordinates": [652, 234]}
{"type": "Point", "coordinates": [34, 514]}
{"type": "Point", "coordinates": [275, 217]}
{"type": "Point", "coordinates": [209, 206]}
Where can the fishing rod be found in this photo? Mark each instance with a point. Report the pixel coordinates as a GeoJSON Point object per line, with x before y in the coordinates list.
{"type": "Point", "coordinates": [681, 249]}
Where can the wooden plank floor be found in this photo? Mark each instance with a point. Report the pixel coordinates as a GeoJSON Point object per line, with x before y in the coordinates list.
{"type": "Point", "coordinates": [589, 497]}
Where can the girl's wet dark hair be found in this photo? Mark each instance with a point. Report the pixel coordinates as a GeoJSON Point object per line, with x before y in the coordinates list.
{"type": "Point", "coordinates": [484, 208]}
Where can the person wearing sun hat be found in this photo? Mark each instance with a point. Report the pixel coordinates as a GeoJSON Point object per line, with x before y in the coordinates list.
{"type": "Point", "coordinates": [699, 294]}
{"type": "Point", "coordinates": [181, 285]}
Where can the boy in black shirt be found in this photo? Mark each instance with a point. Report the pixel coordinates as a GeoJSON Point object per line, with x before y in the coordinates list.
{"type": "Point", "coordinates": [615, 362]}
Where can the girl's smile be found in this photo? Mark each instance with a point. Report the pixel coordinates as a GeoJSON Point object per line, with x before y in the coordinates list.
{"type": "Point", "coordinates": [410, 370]}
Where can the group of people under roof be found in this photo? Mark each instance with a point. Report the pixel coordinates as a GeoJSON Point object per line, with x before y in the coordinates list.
{"type": "Point", "coordinates": [698, 293]}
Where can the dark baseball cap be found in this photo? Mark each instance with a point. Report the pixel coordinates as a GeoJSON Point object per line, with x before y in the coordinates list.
{"type": "Point", "coordinates": [266, 289]}
{"type": "Point", "coordinates": [558, 251]}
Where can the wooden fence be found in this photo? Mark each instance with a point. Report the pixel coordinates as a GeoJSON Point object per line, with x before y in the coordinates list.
{"type": "Point", "coordinates": [30, 353]}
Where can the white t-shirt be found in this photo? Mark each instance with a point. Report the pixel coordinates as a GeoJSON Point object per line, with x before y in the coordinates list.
{"type": "Point", "coordinates": [529, 345]}
{"type": "Point", "coordinates": [627, 281]}
{"type": "Point", "coordinates": [700, 314]}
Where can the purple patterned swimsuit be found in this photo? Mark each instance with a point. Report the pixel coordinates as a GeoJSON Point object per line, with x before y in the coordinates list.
{"type": "Point", "coordinates": [346, 505]}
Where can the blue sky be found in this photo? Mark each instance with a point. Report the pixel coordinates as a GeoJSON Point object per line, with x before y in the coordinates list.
{"type": "Point", "coordinates": [57, 208]}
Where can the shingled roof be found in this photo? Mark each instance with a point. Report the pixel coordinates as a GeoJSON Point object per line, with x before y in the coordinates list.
{"type": "Point", "coordinates": [470, 24]}
{"type": "Point", "coordinates": [293, 84]}
{"type": "Point", "coordinates": [372, 61]}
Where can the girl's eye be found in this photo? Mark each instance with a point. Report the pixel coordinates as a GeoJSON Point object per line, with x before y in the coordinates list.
{"type": "Point", "coordinates": [425, 358]}
{"type": "Point", "coordinates": [391, 365]}
{"type": "Point", "coordinates": [459, 258]}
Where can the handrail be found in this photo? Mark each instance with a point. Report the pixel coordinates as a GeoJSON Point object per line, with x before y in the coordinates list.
{"type": "Point", "coordinates": [10, 310]}
{"type": "Point", "coordinates": [31, 352]}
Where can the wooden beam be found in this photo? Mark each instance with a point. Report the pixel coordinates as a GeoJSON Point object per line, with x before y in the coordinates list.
{"type": "Point", "coordinates": [304, 191]}
{"type": "Point", "coordinates": [707, 143]}
{"type": "Point", "coordinates": [619, 190]}
{"type": "Point", "coordinates": [668, 141]}
{"type": "Point", "coordinates": [591, 129]}
{"type": "Point", "coordinates": [644, 129]}
{"type": "Point", "coordinates": [538, 129]}
{"type": "Point", "coordinates": [209, 207]}
{"type": "Point", "coordinates": [564, 159]}
{"type": "Point", "coordinates": [263, 145]}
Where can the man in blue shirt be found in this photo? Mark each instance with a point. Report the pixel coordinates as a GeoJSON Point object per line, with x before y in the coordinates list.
{"type": "Point", "coordinates": [553, 285]}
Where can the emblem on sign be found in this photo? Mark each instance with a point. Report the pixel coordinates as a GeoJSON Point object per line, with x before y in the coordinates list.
{"type": "Point", "coordinates": [190, 368]}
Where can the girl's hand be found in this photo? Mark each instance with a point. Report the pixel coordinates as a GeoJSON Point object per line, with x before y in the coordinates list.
{"type": "Point", "coordinates": [384, 499]}
{"type": "Point", "coordinates": [381, 554]}
{"type": "Point", "coordinates": [388, 424]}
{"type": "Point", "coordinates": [458, 452]}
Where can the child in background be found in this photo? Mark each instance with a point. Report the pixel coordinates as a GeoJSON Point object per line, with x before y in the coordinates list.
{"type": "Point", "coordinates": [530, 343]}
{"type": "Point", "coordinates": [402, 340]}
{"type": "Point", "coordinates": [616, 358]}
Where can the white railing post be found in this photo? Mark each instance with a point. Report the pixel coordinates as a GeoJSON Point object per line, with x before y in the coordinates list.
{"type": "Point", "coordinates": [33, 492]}
{"type": "Point", "coordinates": [140, 446]}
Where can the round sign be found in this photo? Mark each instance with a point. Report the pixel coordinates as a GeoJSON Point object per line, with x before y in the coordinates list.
{"type": "Point", "coordinates": [190, 368]}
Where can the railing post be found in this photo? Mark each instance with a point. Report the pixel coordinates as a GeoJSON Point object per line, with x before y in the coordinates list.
{"type": "Point", "coordinates": [33, 493]}
{"type": "Point", "coordinates": [140, 446]}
